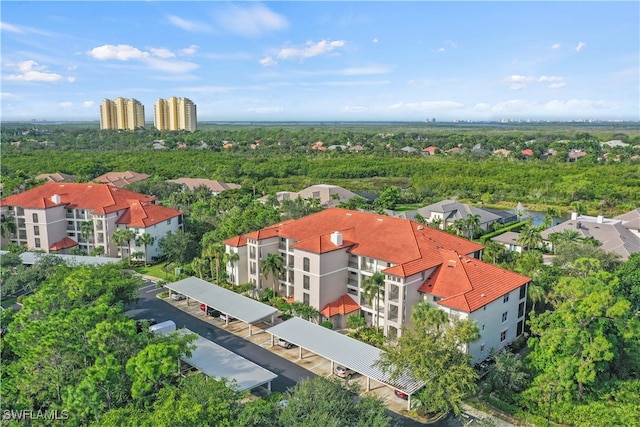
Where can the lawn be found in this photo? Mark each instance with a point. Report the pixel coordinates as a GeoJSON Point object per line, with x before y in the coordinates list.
{"type": "Point", "coordinates": [156, 271]}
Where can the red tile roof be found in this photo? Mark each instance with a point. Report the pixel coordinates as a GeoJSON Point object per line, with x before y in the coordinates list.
{"type": "Point", "coordinates": [98, 198]}
{"type": "Point", "coordinates": [343, 305]}
{"type": "Point", "coordinates": [65, 243]}
{"type": "Point", "coordinates": [121, 179]}
{"type": "Point", "coordinates": [144, 215]}
{"type": "Point", "coordinates": [468, 284]}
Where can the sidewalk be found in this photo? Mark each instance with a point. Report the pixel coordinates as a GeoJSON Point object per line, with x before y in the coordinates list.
{"type": "Point", "coordinates": [476, 413]}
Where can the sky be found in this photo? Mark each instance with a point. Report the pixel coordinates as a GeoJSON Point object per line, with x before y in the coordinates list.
{"type": "Point", "coordinates": [324, 61]}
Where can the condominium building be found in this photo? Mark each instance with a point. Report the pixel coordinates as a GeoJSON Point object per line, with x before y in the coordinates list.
{"type": "Point", "coordinates": [175, 114]}
{"type": "Point", "coordinates": [56, 217]}
{"type": "Point", "coordinates": [121, 114]}
{"type": "Point", "coordinates": [329, 255]}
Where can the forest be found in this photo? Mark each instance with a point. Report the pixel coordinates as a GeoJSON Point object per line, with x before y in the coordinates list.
{"type": "Point", "coordinates": [580, 365]}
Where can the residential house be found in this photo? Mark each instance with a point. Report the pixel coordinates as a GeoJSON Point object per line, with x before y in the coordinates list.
{"type": "Point", "coordinates": [216, 187]}
{"type": "Point", "coordinates": [448, 211]}
{"type": "Point", "coordinates": [329, 255]}
{"type": "Point", "coordinates": [509, 240]}
{"type": "Point", "coordinates": [327, 195]}
{"type": "Point", "coordinates": [527, 153]}
{"type": "Point", "coordinates": [429, 151]}
{"type": "Point", "coordinates": [620, 235]}
{"type": "Point", "coordinates": [575, 155]}
{"type": "Point", "coordinates": [56, 177]}
{"type": "Point", "coordinates": [56, 217]}
{"type": "Point", "coordinates": [121, 179]}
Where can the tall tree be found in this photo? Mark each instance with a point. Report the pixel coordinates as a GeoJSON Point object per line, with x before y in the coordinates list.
{"type": "Point", "coordinates": [433, 351]}
{"type": "Point", "coordinates": [231, 260]}
{"type": "Point", "coordinates": [7, 226]}
{"type": "Point", "coordinates": [472, 225]}
{"type": "Point", "coordinates": [272, 266]}
{"type": "Point", "coordinates": [530, 237]}
{"type": "Point", "coordinates": [372, 287]}
{"type": "Point", "coordinates": [145, 240]}
{"type": "Point", "coordinates": [86, 230]}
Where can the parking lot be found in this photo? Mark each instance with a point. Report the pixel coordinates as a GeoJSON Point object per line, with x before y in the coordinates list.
{"type": "Point", "coordinates": [310, 361]}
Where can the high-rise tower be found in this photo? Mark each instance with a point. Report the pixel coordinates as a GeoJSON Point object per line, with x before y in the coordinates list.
{"type": "Point", "coordinates": [175, 114]}
{"type": "Point", "coordinates": [121, 114]}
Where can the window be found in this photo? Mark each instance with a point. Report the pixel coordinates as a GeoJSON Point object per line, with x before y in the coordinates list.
{"type": "Point", "coordinates": [520, 328]}
{"type": "Point", "coordinates": [36, 230]}
{"type": "Point", "coordinates": [35, 217]}
{"type": "Point", "coordinates": [37, 243]}
{"type": "Point", "coordinates": [169, 221]}
{"type": "Point", "coordinates": [252, 269]}
{"type": "Point", "coordinates": [504, 317]}
{"type": "Point", "coordinates": [252, 252]}
{"type": "Point", "coordinates": [436, 299]}
{"type": "Point", "coordinates": [523, 291]}
{"type": "Point", "coordinates": [305, 298]}
{"type": "Point", "coordinates": [521, 309]}
{"type": "Point", "coordinates": [305, 264]}
{"type": "Point", "coordinates": [503, 335]}
{"type": "Point", "coordinates": [305, 282]}
{"type": "Point", "coordinates": [505, 298]}
{"type": "Point", "coordinates": [483, 327]}
{"type": "Point", "coordinates": [481, 347]}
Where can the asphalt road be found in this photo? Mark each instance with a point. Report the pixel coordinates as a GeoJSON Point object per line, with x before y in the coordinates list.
{"type": "Point", "coordinates": [289, 373]}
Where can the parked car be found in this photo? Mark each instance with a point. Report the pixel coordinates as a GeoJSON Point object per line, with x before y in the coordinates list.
{"type": "Point", "coordinates": [401, 394]}
{"type": "Point", "coordinates": [224, 317]}
{"type": "Point", "coordinates": [343, 372]}
{"type": "Point", "coordinates": [178, 297]}
{"type": "Point", "coordinates": [285, 344]}
{"type": "Point", "coordinates": [210, 311]}
{"type": "Point", "coordinates": [142, 324]}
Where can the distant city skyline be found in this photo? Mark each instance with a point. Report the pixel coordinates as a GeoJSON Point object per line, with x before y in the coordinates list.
{"type": "Point", "coordinates": [324, 61]}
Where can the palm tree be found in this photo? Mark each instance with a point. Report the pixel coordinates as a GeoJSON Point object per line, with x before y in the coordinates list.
{"type": "Point", "coordinates": [119, 238]}
{"type": "Point", "coordinates": [372, 287]}
{"type": "Point", "coordinates": [459, 226]}
{"type": "Point", "coordinates": [145, 240]}
{"type": "Point", "coordinates": [231, 258]}
{"type": "Point", "coordinates": [436, 223]}
{"type": "Point", "coordinates": [272, 265]}
{"type": "Point", "coordinates": [472, 225]}
{"type": "Point", "coordinates": [86, 230]}
{"type": "Point", "coordinates": [423, 313]}
{"type": "Point", "coordinates": [8, 226]}
{"type": "Point", "coordinates": [197, 264]}
{"type": "Point", "coordinates": [214, 251]}
{"type": "Point", "coordinates": [530, 237]}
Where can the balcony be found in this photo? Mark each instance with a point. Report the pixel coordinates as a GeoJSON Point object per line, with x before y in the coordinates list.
{"type": "Point", "coordinates": [368, 266]}
{"type": "Point", "coordinates": [282, 246]}
{"type": "Point", "coordinates": [352, 282]}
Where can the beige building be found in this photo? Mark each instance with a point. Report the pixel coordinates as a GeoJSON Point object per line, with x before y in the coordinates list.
{"type": "Point", "coordinates": [328, 257]}
{"type": "Point", "coordinates": [175, 114]}
{"type": "Point", "coordinates": [121, 114]}
{"type": "Point", "coordinates": [57, 217]}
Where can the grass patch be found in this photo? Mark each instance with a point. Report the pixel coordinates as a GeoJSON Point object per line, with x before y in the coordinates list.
{"type": "Point", "coordinates": [408, 207]}
{"type": "Point", "coordinates": [156, 271]}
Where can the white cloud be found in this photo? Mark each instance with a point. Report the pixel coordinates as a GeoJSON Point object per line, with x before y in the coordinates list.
{"type": "Point", "coordinates": [580, 46]}
{"type": "Point", "coordinates": [482, 106]}
{"type": "Point", "coordinates": [31, 71]}
{"type": "Point", "coordinates": [189, 50]}
{"type": "Point", "coordinates": [9, 96]}
{"type": "Point", "coordinates": [162, 52]}
{"type": "Point", "coordinates": [88, 104]}
{"type": "Point", "coordinates": [514, 105]}
{"type": "Point", "coordinates": [266, 110]}
{"type": "Point", "coordinates": [66, 104]}
{"type": "Point", "coordinates": [555, 82]}
{"type": "Point", "coordinates": [71, 79]}
{"type": "Point", "coordinates": [251, 21]}
{"type": "Point", "coordinates": [441, 50]}
{"type": "Point", "coordinates": [375, 40]}
{"type": "Point", "coordinates": [573, 105]}
{"type": "Point", "coordinates": [425, 106]}
{"type": "Point", "coordinates": [556, 46]}
{"type": "Point", "coordinates": [121, 52]}
{"type": "Point", "coordinates": [365, 71]}
{"type": "Point", "coordinates": [5, 26]}
{"type": "Point", "coordinates": [267, 61]}
{"type": "Point", "coordinates": [311, 49]}
{"type": "Point", "coordinates": [518, 82]}
{"type": "Point", "coordinates": [354, 109]}
{"type": "Point", "coordinates": [188, 25]}
{"type": "Point", "coordinates": [352, 83]}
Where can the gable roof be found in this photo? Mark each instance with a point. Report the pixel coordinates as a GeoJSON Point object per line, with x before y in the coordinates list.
{"type": "Point", "coordinates": [121, 179]}
{"type": "Point", "coordinates": [468, 284]}
{"type": "Point", "coordinates": [343, 305]}
{"type": "Point", "coordinates": [212, 185]}
{"type": "Point", "coordinates": [631, 219]}
{"type": "Point", "coordinates": [452, 210]}
{"type": "Point", "coordinates": [144, 215]}
{"type": "Point", "coordinates": [65, 243]}
{"type": "Point", "coordinates": [56, 177]}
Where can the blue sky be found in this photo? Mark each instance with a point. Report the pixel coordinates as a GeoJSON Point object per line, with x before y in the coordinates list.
{"type": "Point", "coordinates": [313, 61]}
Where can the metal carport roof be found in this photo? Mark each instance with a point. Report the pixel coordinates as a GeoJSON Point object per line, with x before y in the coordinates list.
{"type": "Point", "coordinates": [342, 349]}
{"type": "Point", "coordinates": [218, 362]}
{"type": "Point", "coordinates": [30, 258]}
{"type": "Point", "coordinates": [246, 309]}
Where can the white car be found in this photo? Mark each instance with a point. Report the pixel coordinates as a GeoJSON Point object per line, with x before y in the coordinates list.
{"type": "Point", "coordinates": [178, 297]}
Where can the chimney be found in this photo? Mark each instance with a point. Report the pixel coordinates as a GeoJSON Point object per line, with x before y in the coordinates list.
{"type": "Point", "coordinates": [56, 199]}
{"type": "Point", "coordinates": [336, 238]}
{"type": "Point", "coordinates": [574, 215]}
{"type": "Point", "coordinates": [600, 219]}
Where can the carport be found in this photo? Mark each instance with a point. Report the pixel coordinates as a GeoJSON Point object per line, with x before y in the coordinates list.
{"type": "Point", "coordinates": [228, 302]}
{"type": "Point", "coordinates": [217, 362]}
{"type": "Point", "coordinates": [343, 350]}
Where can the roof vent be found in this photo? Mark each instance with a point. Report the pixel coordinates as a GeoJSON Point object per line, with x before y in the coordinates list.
{"type": "Point", "coordinates": [483, 295]}
{"type": "Point", "coordinates": [421, 227]}
{"type": "Point", "coordinates": [380, 219]}
{"type": "Point", "coordinates": [56, 199]}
